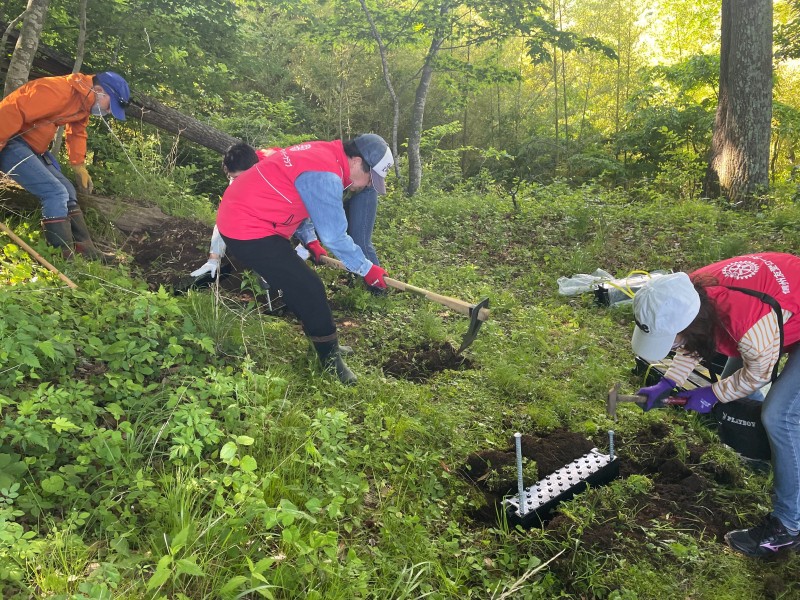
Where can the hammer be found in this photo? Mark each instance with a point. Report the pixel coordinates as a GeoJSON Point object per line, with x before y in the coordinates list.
{"type": "Point", "coordinates": [614, 396]}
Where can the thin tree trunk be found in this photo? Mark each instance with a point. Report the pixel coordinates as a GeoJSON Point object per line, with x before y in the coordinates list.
{"type": "Point", "coordinates": [387, 78]}
{"type": "Point", "coordinates": [738, 163]}
{"type": "Point", "coordinates": [555, 97]}
{"type": "Point", "coordinates": [80, 51]}
{"type": "Point", "coordinates": [28, 41]}
{"type": "Point", "coordinates": [563, 75]}
{"type": "Point", "coordinates": [465, 121]}
{"type": "Point", "coordinates": [9, 29]}
{"type": "Point", "coordinates": [418, 113]}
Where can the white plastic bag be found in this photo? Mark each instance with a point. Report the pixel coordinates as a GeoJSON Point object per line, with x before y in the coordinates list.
{"type": "Point", "coordinates": [580, 283]}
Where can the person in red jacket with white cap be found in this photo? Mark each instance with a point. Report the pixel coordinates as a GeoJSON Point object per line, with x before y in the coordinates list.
{"type": "Point", "coordinates": [29, 119]}
{"type": "Point", "coordinates": [746, 308]}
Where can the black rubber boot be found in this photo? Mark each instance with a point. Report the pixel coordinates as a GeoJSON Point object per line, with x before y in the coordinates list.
{"type": "Point", "coordinates": [83, 240]}
{"type": "Point", "coordinates": [58, 234]}
{"type": "Point", "coordinates": [330, 357]}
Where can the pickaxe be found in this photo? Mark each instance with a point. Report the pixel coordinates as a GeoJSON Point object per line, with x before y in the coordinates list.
{"type": "Point", "coordinates": [477, 313]}
{"type": "Point", "coordinates": [614, 397]}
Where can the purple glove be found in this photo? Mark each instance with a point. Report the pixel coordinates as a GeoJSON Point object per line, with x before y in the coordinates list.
{"type": "Point", "coordinates": [656, 393]}
{"type": "Point", "coordinates": [700, 400]}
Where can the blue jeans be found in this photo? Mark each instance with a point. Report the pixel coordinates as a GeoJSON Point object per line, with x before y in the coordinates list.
{"type": "Point", "coordinates": [781, 418]}
{"type": "Point", "coordinates": [40, 176]}
{"type": "Point", "coordinates": [361, 211]}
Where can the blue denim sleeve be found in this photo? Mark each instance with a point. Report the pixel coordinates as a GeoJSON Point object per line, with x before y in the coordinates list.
{"type": "Point", "coordinates": [321, 193]}
{"type": "Point", "coordinates": [305, 233]}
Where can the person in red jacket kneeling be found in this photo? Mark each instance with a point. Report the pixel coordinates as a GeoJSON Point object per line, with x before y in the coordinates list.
{"type": "Point", "coordinates": [264, 205]}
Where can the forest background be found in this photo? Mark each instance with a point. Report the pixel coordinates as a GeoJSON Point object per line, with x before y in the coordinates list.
{"type": "Point", "coordinates": [533, 140]}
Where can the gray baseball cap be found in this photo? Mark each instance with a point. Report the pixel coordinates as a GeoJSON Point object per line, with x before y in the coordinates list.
{"type": "Point", "coordinates": [375, 151]}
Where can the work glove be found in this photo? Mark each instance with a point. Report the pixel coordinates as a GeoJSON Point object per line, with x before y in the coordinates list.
{"type": "Point", "coordinates": [700, 400]}
{"type": "Point", "coordinates": [374, 277]}
{"type": "Point", "coordinates": [217, 243]}
{"type": "Point", "coordinates": [82, 178]}
{"type": "Point", "coordinates": [211, 266]}
{"type": "Point", "coordinates": [656, 394]}
{"type": "Point", "coordinates": [317, 251]}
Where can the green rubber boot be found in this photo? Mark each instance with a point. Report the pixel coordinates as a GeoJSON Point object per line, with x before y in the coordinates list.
{"type": "Point", "coordinates": [58, 234]}
{"type": "Point", "coordinates": [330, 356]}
{"type": "Point", "coordinates": [83, 239]}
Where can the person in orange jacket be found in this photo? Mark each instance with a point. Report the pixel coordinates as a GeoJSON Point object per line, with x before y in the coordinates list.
{"type": "Point", "coordinates": [29, 119]}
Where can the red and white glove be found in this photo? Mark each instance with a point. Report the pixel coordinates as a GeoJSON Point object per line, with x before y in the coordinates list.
{"type": "Point", "coordinates": [374, 277]}
{"type": "Point", "coordinates": [317, 251]}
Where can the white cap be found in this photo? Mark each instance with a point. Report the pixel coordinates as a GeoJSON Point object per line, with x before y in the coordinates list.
{"type": "Point", "coordinates": [662, 309]}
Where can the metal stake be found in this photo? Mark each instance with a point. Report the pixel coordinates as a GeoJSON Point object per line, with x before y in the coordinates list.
{"type": "Point", "coordinates": [520, 486]}
{"type": "Point", "coordinates": [611, 444]}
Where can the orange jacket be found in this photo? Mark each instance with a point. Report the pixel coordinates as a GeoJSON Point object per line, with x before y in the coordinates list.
{"type": "Point", "coordinates": [36, 110]}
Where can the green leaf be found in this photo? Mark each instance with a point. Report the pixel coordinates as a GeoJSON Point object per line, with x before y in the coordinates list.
{"type": "Point", "coordinates": [244, 440]}
{"type": "Point", "coordinates": [248, 463]}
{"type": "Point", "coordinates": [47, 349]}
{"type": "Point", "coordinates": [188, 566]}
{"type": "Point", "coordinates": [61, 424]}
{"type": "Point", "coordinates": [162, 573]}
{"type": "Point", "coordinates": [233, 584]}
{"type": "Point", "coordinates": [179, 541]}
{"type": "Point", "coordinates": [228, 452]}
{"type": "Point", "coordinates": [53, 484]}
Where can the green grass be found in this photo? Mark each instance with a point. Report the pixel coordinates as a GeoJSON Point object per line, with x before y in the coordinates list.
{"type": "Point", "coordinates": [214, 460]}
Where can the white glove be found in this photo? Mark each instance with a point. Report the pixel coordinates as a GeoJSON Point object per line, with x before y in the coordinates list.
{"type": "Point", "coordinates": [217, 243]}
{"type": "Point", "coordinates": [302, 252]}
{"type": "Point", "coordinates": [211, 266]}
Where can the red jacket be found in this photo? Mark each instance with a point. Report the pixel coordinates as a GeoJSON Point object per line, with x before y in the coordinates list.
{"type": "Point", "coordinates": [263, 201]}
{"type": "Point", "coordinates": [771, 272]}
{"type": "Point", "coordinates": [36, 110]}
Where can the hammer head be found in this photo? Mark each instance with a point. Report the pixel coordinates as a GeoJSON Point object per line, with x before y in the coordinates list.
{"type": "Point", "coordinates": [611, 403]}
{"type": "Point", "coordinates": [614, 398]}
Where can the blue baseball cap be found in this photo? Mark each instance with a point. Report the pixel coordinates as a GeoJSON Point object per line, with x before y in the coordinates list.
{"type": "Point", "coordinates": [118, 91]}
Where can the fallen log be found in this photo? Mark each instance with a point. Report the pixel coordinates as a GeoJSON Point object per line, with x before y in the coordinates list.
{"type": "Point", "coordinates": [48, 62]}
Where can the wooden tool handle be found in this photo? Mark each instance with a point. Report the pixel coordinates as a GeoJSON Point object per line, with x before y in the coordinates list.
{"type": "Point", "coordinates": [641, 398]}
{"type": "Point", "coordinates": [39, 258]}
{"type": "Point", "coordinates": [631, 398]}
{"type": "Point", "coordinates": [457, 305]}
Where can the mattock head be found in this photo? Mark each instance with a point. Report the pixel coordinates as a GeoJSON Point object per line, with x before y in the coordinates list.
{"type": "Point", "coordinates": [474, 324]}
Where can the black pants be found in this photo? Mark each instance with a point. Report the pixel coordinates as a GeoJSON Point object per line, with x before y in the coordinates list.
{"type": "Point", "coordinates": [276, 261]}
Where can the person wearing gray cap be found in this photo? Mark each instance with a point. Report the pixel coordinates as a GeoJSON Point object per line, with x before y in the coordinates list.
{"type": "Point", "coordinates": [264, 206]}
{"type": "Point", "coordinates": [747, 308]}
{"type": "Point", "coordinates": [29, 119]}
{"type": "Point", "coordinates": [360, 207]}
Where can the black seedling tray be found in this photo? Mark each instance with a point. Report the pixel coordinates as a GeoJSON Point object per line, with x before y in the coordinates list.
{"type": "Point", "coordinates": [542, 498]}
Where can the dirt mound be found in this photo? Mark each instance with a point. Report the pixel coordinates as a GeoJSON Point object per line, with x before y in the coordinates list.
{"type": "Point", "coordinates": [422, 362]}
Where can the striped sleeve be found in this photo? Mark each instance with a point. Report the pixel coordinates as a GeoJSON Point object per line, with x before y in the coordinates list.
{"type": "Point", "coordinates": [682, 365]}
{"type": "Point", "coordinates": [760, 349]}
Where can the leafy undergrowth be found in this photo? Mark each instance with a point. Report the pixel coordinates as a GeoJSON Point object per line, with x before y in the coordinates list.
{"type": "Point", "coordinates": [163, 445]}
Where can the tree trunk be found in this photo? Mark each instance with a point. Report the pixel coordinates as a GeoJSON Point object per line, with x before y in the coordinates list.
{"type": "Point", "coordinates": [80, 52]}
{"type": "Point", "coordinates": [738, 163]}
{"type": "Point", "coordinates": [387, 78]}
{"type": "Point", "coordinates": [28, 41]}
{"type": "Point", "coordinates": [9, 29]}
{"type": "Point", "coordinates": [415, 137]}
{"type": "Point", "coordinates": [150, 110]}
